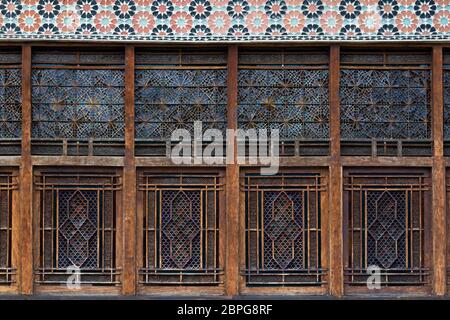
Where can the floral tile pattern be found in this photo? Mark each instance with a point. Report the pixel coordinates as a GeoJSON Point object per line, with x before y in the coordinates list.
{"type": "Point", "coordinates": [225, 20]}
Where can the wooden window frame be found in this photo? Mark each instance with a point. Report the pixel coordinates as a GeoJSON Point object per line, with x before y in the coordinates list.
{"type": "Point", "coordinates": [11, 145]}
{"type": "Point", "coordinates": [12, 188]}
{"type": "Point", "coordinates": [183, 290]}
{"type": "Point", "coordinates": [72, 146]}
{"type": "Point", "coordinates": [426, 191]}
{"type": "Point", "coordinates": [282, 60]}
{"type": "Point", "coordinates": [384, 146]}
{"type": "Point", "coordinates": [318, 289]}
{"type": "Point", "coordinates": [174, 60]}
{"type": "Point", "coordinates": [114, 288]}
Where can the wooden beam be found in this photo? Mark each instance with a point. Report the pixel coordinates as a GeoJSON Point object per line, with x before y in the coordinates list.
{"type": "Point", "coordinates": [335, 203]}
{"type": "Point", "coordinates": [77, 161]}
{"type": "Point", "coordinates": [26, 178]}
{"type": "Point", "coordinates": [232, 183]}
{"type": "Point", "coordinates": [129, 180]}
{"type": "Point", "coordinates": [368, 161]}
{"type": "Point", "coordinates": [438, 225]}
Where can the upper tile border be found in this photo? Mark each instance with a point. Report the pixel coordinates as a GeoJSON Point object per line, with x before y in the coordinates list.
{"type": "Point", "coordinates": [225, 20]}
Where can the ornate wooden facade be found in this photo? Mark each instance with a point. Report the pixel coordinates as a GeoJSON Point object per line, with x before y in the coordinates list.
{"type": "Point", "coordinates": [85, 180]}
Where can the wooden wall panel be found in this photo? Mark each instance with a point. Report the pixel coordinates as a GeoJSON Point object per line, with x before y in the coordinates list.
{"type": "Point", "coordinates": [233, 243]}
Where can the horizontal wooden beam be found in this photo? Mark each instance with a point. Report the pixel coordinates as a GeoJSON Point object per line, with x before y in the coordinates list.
{"type": "Point", "coordinates": [13, 161]}
{"type": "Point", "coordinates": [77, 161]}
{"type": "Point", "coordinates": [358, 161]}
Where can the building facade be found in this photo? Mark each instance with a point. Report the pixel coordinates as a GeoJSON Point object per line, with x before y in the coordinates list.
{"type": "Point", "coordinates": [91, 91]}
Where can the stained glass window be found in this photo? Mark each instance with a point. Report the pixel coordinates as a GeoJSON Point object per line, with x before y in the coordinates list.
{"type": "Point", "coordinates": [174, 89]}
{"type": "Point", "coordinates": [446, 82]}
{"type": "Point", "coordinates": [283, 229]}
{"type": "Point", "coordinates": [286, 90]}
{"type": "Point", "coordinates": [77, 227]}
{"type": "Point", "coordinates": [78, 99]}
{"type": "Point", "coordinates": [10, 101]}
{"type": "Point", "coordinates": [386, 217]}
{"type": "Point", "coordinates": [181, 229]}
{"type": "Point", "coordinates": [385, 96]}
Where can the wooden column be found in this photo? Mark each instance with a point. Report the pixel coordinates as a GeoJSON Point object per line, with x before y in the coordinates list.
{"type": "Point", "coordinates": [335, 192]}
{"type": "Point", "coordinates": [26, 178]}
{"type": "Point", "coordinates": [438, 227]}
{"type": "Point", "coordinates": [232, 184]}
{"type": "Point", "coordinates": [129, 181]}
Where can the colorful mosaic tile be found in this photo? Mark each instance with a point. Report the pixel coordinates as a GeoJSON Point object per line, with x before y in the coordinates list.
{"type": "Point", "coordinates": [225, 20]}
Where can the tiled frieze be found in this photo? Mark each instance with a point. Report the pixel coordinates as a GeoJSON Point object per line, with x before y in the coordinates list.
{"type": "Point", "coordinates": [225, 20]}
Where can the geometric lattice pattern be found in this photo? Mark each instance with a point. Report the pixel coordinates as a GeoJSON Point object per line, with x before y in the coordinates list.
{"type": "Point", "coordinates": [385, 104]}
{"type": "Point", "coordinates": [181, 229]}
{"type": "Point", "coordinates": [77, 229]}
{"type": "Point", "coordinates": [173, 99]}
{"type": "Point", "coordinates": [446, 81]}
{"type": "Point", "coordinates": [180, 223]}
{"type": "Point", "coordinates": [78, 104]}
{"type": "Point", "coordinates": [293, 101]}
{"type": "Point", "coordinates": [10, 96]}
{"type": "Point", "coordinates": [282, 229]}
{"type": "Point", "coordinates": [223, 20]}
{"type": "Point", "coordinates": [386, 216]}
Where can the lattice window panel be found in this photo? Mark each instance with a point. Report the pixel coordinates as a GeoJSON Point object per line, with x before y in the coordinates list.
{"type": "Point", "coordinates": [78, 102]}
{"type": "Point", "coordinates": [448, 224]}
{"type": "Point", "coordinates": [386, 221]}
{"type": "Point", "coordinates": [8, 183]}
{"type": "Point", "coordinates": [10, 101]}
{"type": "Point", "coordinates": [385, 96]}
{"type": "Point", "coordinates": [446, 82]}
{"type": "Point", "coordinates": [283, 229]}
{"type": "Point", "coordinates": [286, 90]}
{"type": "Point", "coordinates": [175, 88]}
{"type": "Point", "coordinates": [77, 227]}
{"type": "Point", "coordinates": [181, 229]}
